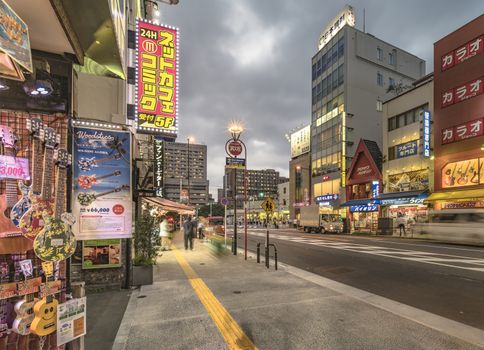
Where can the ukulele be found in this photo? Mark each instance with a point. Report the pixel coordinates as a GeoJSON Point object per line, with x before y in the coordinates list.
{"type": "Point", "coordinates": [45, 310]}
{"type": "Point", "coordinates": [86, 199]}
{"type": "Point", "coordinates": [464, 178]}
{"type": "Point", "coordinates": [24, 204]}
{"type": "Point", "coordinates": [56, 241]}
{"type": "Point", "coordinates": [86, 164]}
{"type": "Point", "coordinates": [32, 221]}
{"type": "Point", "coordinates": [87, 181]}
{"type": "Point", "coordinates": [25, 308]}
{"type": "Point", "coordinates": [10, 235]}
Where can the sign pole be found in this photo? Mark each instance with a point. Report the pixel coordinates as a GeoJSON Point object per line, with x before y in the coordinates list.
{"type": "Point", "coordinates": [225, 225]}
{"type": "Point", "coordinates": [267, 240]}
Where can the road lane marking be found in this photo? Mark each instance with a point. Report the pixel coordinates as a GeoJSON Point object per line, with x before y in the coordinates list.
{"type": "Point", "coordinates": [234, 336]}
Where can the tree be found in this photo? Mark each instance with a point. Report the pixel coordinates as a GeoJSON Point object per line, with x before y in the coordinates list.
{"type": "Point", "coordinates": [217, 210]}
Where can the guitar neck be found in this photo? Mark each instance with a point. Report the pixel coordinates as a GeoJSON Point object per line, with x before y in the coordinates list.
{"type": "Point", "coordinates": [97, 161]}
{"type": "Point", "coordinates": [10, 185]}
{"type": "Point", "coordinates": [37, 166]}
{"type": "Point", "coordinates": [60, 190]}
{"type": "Point", "coordinates": [47, 175]}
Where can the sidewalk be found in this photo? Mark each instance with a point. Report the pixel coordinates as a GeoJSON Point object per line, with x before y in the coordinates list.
{"type": "Point", "coordinates": [228, 303]}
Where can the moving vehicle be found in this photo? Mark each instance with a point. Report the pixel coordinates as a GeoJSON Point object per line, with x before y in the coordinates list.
{"type": "Point", "coordinates": [313, 220]}
{"type": "Point", "coordinates": [215, 226]}
{"type": "Point", "coordinates": [453, 225]}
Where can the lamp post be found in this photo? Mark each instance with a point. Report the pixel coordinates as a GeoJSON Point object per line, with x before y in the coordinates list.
{"type": "Point", "coordinates": [235, 130]}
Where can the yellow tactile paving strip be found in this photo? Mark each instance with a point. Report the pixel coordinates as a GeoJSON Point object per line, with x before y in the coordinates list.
{"type": "Point", "coordinates": [234, 336]}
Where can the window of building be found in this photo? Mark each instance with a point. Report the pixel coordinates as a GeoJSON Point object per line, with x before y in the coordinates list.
{"type": "Point", "coordinates": [341, 47]}
{"type": "Point", "coordinates": [391, 58]}
{"type": "Point", "coordinates": [407, 118]}
{"type": "Point", "coordinates": [379, 54]}
{"type": "Point", "coordinates": [379, 79]}
{"type": "Point", "coordinates": [379, 105]}
{"type": "Point", "coordinates": [391, 153]}
{"type": "Point", "coordinates": [391, 82]}
{"type": "Point", "coordinates": [284, 190]}
{"type": "Point", "coordinates": [340, 75]}
{"type": "Point", "coordinates": [334, 78]}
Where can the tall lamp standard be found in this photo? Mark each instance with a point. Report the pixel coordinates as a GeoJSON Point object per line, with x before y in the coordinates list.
{"type": "Point", "coordinates": [235, 130]}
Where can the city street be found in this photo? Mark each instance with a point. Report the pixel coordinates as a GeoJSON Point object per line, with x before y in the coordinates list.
{"type": "Point", "coordinates": [447, 280]}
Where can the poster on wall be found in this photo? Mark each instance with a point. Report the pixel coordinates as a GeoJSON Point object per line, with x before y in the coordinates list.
{"type": "Point", "coordinates": [101, 253]}
{"type": "Point", "coordinates": [71, 320]}
{"type": "Point", "coordinates": [463, 173]}
{"type": "Point", "coordinates": [101, 198]}
{"type": "Point", "coordinates": [157, 78]}
{"type": "Point", "coordinates": [409, 181]}
{"type": "Point", "coordinates": [300, 141]}
{"type": "Point", "coordinates": [14, 37]}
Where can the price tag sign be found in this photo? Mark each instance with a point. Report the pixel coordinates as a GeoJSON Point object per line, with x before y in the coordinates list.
{"type": "Point", "coordinates": [14, 168]}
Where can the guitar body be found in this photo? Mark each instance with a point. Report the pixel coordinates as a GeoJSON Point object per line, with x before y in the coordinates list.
{"type": "Point", "coordinates": [25, 315]}
{"type": "Point", "coordinates": [32, 222]}
{"type": "Point", "coordinates": [21, 207]}
{"type": "Point", "coordinates": [45, 319]}
{"type": "Point", "coordinates": [12, 240]}
{"type": "Point", "coordinates": [55, 242]}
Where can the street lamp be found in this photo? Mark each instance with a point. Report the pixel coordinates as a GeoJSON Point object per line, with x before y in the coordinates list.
{"type": "Point", "coordinates": [189, 139]}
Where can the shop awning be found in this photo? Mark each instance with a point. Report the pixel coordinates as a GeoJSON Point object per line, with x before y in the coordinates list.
{"type": "Point", "coordinates": [469, 195]}
{"type": "Point", "coordinates": [168, 205]}
{"type": "Point", "coordinates": [403, 198]}
{"type": "Point", "coordinates": [355, 202]}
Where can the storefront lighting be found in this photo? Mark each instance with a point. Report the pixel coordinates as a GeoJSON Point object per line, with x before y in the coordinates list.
{"type": "Point", "coordinates": [38, 88]}
{"type": "Point", "coordinates": [3, 85]}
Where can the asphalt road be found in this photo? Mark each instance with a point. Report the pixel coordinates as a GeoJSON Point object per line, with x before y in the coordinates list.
{"type": "Point", "coordinates": [447, 280]}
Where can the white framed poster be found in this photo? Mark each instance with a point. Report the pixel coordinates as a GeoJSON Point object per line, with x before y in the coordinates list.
{"type": "Point", "coordinates": [71, 320]}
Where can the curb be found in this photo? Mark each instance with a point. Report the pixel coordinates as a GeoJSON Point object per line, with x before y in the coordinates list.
{"type": "Point", "coordinates": [125, 326]}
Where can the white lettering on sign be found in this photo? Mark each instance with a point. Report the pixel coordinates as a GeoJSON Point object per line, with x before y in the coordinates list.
{"type": "Point", "coordinates": [364, 170]}
{"type": "Point", "coordinates": [345, 17]}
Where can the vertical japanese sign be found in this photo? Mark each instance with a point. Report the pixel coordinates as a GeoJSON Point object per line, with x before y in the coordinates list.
{"type": "Point", "coordinates": [158, 167]}
{"type": "Point", "coordinates": [101, 198]}
{"type": "Point", "coordinates": [157, 78]}
{"type": "Point", "coordinates": [426, 134]}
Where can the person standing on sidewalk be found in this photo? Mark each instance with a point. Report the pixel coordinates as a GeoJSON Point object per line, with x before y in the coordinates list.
{"type": "Point", "coordinates": [401, 223]}
{"type": "Point", "coordinates": [164, 233]}
{"type": "Point", "coordinates": [188, 232]}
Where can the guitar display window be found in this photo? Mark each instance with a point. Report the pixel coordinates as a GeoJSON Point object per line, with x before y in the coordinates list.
{"type": "Point", "coordinates": [463, 173]}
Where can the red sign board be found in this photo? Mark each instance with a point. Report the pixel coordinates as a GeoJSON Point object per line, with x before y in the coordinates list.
{"type": "Point", "coordinates": [462, 92]}
{"type": "Point", "coordinates": [473, 128]}
{"type": "Point", "coordinates": [463, 53]}
{"type": "Point", "coordinates": [157, 78]}
{"type": "Point", "coordinates": [235, 148]}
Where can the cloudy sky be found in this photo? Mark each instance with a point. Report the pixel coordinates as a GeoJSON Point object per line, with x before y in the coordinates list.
{"type": "Point", "coordinates": [250, 60]}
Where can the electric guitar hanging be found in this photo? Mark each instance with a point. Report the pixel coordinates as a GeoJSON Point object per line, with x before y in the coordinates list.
{"type": "Point", "coordinates": [32, 221]}
{"type": "Point", "coordinates": [56, 241]}
{"type": "Point", "coordinates": [24, 204]}
{"type": "Point", "coordinates": [10, 235]}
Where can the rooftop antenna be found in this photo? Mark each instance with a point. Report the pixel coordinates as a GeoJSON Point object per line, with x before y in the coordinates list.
{"type": "Point", "coordinates": [364, 19]}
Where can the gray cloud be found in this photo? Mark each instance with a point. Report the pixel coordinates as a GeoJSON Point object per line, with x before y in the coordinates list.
{"type": "Point", "coordinates": [250, 60]}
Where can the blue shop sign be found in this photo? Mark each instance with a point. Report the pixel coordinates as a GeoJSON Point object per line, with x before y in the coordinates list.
{"type": "Point", "coordinates": [326, 198]}
{"type": "Point", "coordinates": [426, 134]}
{"type": "Point", "coordinates": [363, 208]}
{"type": "Point", "coordinates": [407, 149]}
{"type": "Point", "coordinates": [408, 200]}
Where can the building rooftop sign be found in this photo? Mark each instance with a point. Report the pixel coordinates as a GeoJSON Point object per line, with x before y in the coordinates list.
{"type": "Point", "coordinates": [300, 141]}
{"type": "Point", "coordinates": [345, 17]}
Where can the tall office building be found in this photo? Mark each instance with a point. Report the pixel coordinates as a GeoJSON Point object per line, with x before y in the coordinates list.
{"type": "Point", "coordinates": [353, 72]}
{"type": "Point", "coordinates": [183, 161]}
{"type": "Point", "coordinates": [260, 183]}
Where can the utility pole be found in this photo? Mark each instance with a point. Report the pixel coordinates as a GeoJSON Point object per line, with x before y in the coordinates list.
{"type": "Point", "coordinates": [234, 241]}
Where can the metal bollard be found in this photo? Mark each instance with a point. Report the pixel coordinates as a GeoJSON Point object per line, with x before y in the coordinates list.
{"type": "Point", "coordinates": [258, 253]}
{"type": "Point", "coordinates": [275, 255]}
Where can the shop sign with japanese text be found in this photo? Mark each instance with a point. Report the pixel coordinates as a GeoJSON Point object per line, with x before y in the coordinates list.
{"type": "Point", "coordinates": [462, 92]}
{"type": "Point", "coordinates": [157, 78]}
{"type": "Point", "coordinates": [363, 208]}
{"type": "Point", "coordinates": [158, 171]}
{"type": "Point", "coordinates": [426, 134]}
{"type": "Point", "coordinates": [473, 128]}
{"type": "Point", "coordinates": [326, 198]}
{"type": "Point", "coordinates": [463, 53]}
{"type": "Point", "coordinates": [407, 149]}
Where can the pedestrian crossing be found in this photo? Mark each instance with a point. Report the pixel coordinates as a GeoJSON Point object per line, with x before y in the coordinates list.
{"type": "Point", "coordinates": [447, 260]}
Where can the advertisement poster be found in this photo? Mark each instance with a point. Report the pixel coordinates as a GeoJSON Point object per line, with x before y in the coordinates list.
{"type": "Point", "coordinates": [409, 181]}
{"type": "Point", "coordinates": [101, 200]}
{"type": "Point", "coordinates": [463, 173]}
{"type": "Point", "coordinates": [71, 320]}
{"type": "Point", "coordinates": [300, 141]}
{"type": "Point", "coordinates": [101, 253]}
{"type": "Point", "coordinates": [157, 78]}
{"type": "Point", "coordinates": [14, 37]}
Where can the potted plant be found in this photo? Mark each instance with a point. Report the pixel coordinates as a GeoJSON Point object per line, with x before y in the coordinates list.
{"type": "Point", "coordinates": [146, 246]}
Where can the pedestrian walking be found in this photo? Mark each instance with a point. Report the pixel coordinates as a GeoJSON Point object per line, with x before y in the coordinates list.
{"type": "Point", "coordinates": [200, 230]}
{"type": "Point", "coordinates": [401, 223]}
{"type": "Point", "coordinates": [164, 233]}
{"type": "Point", "coordinates": [188, 232]}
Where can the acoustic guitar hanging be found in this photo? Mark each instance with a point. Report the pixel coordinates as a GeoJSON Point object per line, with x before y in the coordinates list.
{"type": "Point", "coordinates": [32, 221]}
{"type": "Point", "coordinates": [10, 235]}
{"type": "Point", "coordinates": [45, 310]}
{"type": "Point", "coordinates": [24, 204]}
{"type": "Point", "coordinates": [56, 241]}
{"type": "Point", "coordinates": [87, 181]}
